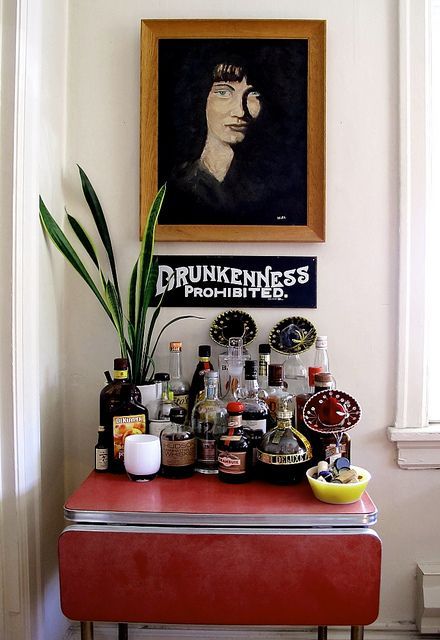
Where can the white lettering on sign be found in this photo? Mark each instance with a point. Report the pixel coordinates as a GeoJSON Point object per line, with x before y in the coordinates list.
{"type": "Point", "coordinates": [266, 283]}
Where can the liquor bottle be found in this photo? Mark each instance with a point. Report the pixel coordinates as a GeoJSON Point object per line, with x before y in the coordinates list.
{"type": "Point", "coordinates": [256, 411]}
{"type": "Point", "coordinates": [209, 421]}
{"type": "Point", "coordinates": [276, 391]}
{"type": "Point", "coordinates": [196, 388]}
{"type": "Point", "coordinates": [178, 385]}
{"type": "Point", "coordinates": [125, 417]}
{"type": "Point", "coordinates": [321, 354]}
{"type": "Point", "coordinates": [119, 391]}
{"type": "Point", "coordinates": [112, 391]}
{"type": "Point", "coordinates": [101, 452]}
{"type": "Point", "coordinates": [234, 362]}
{"type": "Point", "coordinates": [284, 454]}
{"type": "Point", "coordinates": [302, 397]}
{"type": "Point", "coordinates": [263, 365]}
{"type": "Point", "coordinates": [235, 349]}
{"type": "Point", "coordinates": [234, 448]}
{"type": "Point", "coordinates": [295, 373]}
{"type": "Point", "coordinates": [329, 446]}
{"type": "Point", "coordinates": [167, 400]}
{"type": "Point", "coordinates": [178, 446]}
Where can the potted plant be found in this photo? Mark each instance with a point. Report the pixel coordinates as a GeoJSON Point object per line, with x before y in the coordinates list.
{"type": "Point", "coordinates": [134, 326]}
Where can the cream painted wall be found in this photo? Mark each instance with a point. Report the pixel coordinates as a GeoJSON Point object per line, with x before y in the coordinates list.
{"type": "Point", "coordinates": [357, 266]}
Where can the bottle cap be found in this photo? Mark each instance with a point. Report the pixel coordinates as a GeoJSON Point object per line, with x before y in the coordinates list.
{"type": "Point", "coordinates": [321, 342]}
{"type": "Point", "coordinates": [312, 372]}
{"type": "Point", "coordinates": [120, 364]}
{"type": "Point", "coordinates": [211, 374]}
{"type": "Point", "coordinates": [161, 377]}
{"type": "Point", "coordinates": [264, 348]}
{"type": "Point", "coordinates": [276, 374]}
{"type": "Point", "coordinates": [235, 407]}
{"type": "Point", "coordinates": [175, 346]}
{"type": "Point", "coordinates": [324, 380]}
{"type": "Point", "coordinates": [177, 414]}
{"type": "Point", "coordinates": [204, 351]}
{"type": "Point", "coordinates": [250, 369]}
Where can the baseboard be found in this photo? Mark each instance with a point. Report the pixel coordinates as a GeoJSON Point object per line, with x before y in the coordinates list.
{"type": "Point", "coordinates": [105, 631]}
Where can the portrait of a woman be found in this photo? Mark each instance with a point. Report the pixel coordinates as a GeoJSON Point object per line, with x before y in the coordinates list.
{"type": "Point", "coordinates": [233, 132]}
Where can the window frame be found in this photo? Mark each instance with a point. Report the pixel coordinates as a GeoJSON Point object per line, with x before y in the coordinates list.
{"type": "Point", "coordinates": [418, 442]}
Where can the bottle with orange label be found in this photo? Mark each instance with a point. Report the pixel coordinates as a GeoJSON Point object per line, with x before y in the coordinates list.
{"type": "Point", "coordinates": [234, 448]}
{"type": "Point", "coordinates": [121, 414]}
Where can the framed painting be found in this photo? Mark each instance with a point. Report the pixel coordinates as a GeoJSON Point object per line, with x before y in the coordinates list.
{"type": "Point", "coordinates": [232, 119]}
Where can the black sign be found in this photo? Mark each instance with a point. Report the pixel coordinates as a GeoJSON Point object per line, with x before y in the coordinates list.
{"type": "Point", "coordinates": [237, 281]}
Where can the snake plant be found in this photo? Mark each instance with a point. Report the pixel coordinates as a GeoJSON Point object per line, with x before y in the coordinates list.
{"type": "Point", "coordinates": [135, 327]}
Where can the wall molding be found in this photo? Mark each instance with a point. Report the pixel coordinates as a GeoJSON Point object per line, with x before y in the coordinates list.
{"type": "Point", "coordinates": [19, 389]}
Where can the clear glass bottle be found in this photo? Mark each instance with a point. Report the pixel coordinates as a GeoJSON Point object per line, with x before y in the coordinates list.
{"type": "Point", "coordinates": [295, 374]}
{"type": "Point", "coordinates": [234, 448]}
{"type": "Point", "coordinates": [236, 349]}
{"type": "Point", "coordinates": [321, 354]}
{"type": "Point", "coordinates": [209, 421]}
{"type": "Point", "coordinates": [276, 391]}
{"type": "Point", "coordinates": [178, 446]}
{"type": "Point", "coordinates": [101, 452]}
{"type": "Point", "coordinates": [196, 389]}
{"type": "Point", "coordinates": [256, 411]}
{"type": "Point", "coordinates": [166, 402]}
{"type": "Point", "coordinates": [178, 385]}
{"type": "Point", "coordinates": [284, 454]}
{"type": "Point", "coordinates": [234, 362]}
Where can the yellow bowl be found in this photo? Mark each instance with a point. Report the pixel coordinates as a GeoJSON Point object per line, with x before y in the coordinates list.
{"type": "Point", "coordinates": [334, 493]}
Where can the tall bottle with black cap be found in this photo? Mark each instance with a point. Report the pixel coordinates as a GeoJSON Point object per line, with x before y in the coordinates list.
{"type": "Point", "coordinates": [256, 411]}
{"type": "Point", "coordinates": [196, 388]}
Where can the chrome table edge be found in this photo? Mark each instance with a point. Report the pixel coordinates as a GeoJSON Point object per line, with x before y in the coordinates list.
{"type": "Point", "coordinates": [220, 520]}
{"type": "Point", "coordinates": [96, 528]}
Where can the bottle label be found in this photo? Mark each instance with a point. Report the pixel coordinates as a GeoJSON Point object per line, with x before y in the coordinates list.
{"type": "Point", "coordinates": [120, 375]}
{"type": "Point", "coordinates": [178, 453]}
{"type": "Point", "coordinates": [233, 463]}
{"type": "Point", "coordinates": [256, 425]}
{"type": "Point", "coordinates": [101, 459]}
{"type": "Point", "coordinates": [206, 450]}
{"type": "Point", "coordinates": [282, 458]}
{"type": "Point", "coordinates": [124, 426]}
{"type": "Point", "coordinates": [157, 426]}
{"type": "Point", "coordinates": [181, 400]}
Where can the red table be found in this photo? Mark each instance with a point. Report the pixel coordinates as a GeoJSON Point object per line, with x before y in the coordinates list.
{"type": "Point", "coordinates": [199, 551]}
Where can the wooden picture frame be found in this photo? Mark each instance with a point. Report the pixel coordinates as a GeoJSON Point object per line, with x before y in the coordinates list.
{"type": "Point", "coordinates": [277, 192]}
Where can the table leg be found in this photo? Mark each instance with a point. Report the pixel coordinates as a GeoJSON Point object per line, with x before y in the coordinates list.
{"type": "Point", "coordinates": [86, 630]}
{"type": "Point", "coordinates": [122, 631]}
{"type": "Point", "coordinates": [322, 633]}
{"type": "Point", "coordinates": [357, 633]}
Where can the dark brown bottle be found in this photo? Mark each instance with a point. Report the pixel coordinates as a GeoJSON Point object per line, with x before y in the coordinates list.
{"type": "Point", "coordinates": [234, 448]}
{"type": "Point", "coordinates": [284, 454]}
{"type": "Point", "coordinates": [121, 414]}
{"type": "Point", "coordinates": [178, 446]}
{"type": "Point", "coordinates": [197, 384]}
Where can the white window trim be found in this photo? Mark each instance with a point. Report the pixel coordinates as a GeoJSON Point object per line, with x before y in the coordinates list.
{"type": "Point", "coordinates": [418, 443]}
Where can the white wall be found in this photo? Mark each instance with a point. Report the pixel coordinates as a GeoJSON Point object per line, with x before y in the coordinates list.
{"type": "Point", "coordinates": [357, 266]}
